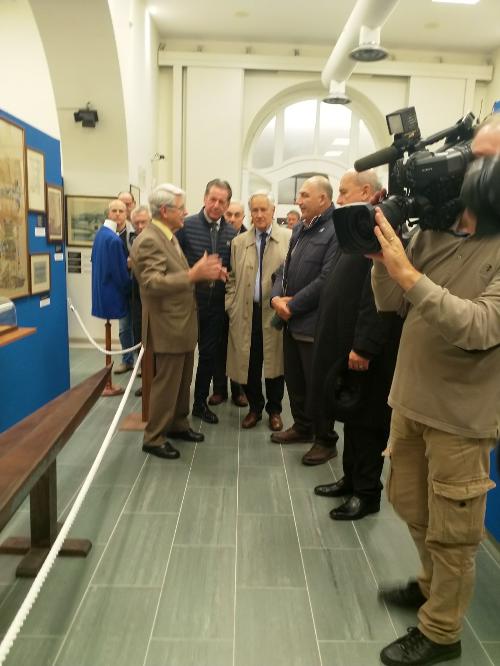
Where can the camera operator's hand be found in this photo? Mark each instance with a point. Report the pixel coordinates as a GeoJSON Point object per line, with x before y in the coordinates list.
{"type": "Point", "coordinates": [393, 255]}
{"type": "Point", "coordinates": [357, 362]}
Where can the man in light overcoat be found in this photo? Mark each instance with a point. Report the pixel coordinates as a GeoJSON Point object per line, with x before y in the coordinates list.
{"type": "Point", "coordinates": [253, 342]}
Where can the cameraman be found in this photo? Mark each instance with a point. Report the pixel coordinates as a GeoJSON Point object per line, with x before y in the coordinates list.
{"type": "Point", "coordinates": [445, 399]}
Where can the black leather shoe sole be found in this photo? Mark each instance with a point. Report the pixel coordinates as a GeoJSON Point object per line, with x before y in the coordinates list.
{"type": "Point", "coordinates": [338, 489]}
{"type": "Point", "coordinates": [166, 451]}
{"type": "Point", "coordinates": [187, 436]}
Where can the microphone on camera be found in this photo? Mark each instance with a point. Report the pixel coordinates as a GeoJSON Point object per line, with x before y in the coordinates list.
{"type": "Point", "coordinates": [379, 157]}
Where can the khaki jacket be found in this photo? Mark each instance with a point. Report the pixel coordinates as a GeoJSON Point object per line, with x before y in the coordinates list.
{"type": "Point", "coordinates": [169, 319]}
{"type": "Point", "coordinates": [239, 302]}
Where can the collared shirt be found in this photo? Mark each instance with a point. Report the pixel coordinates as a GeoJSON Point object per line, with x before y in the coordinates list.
{"type": "Point", "coordinates": [163, 227]}
{"type": "Point", "coordinates": [258, 240]}
{"type": "Point", "coordinates": [216, 222]}
{"type": "Point", "coordinates": [110, 225]}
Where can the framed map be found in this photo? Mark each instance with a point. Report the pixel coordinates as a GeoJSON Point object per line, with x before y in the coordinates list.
{"type": "Point", "coordinates": [14, 258]}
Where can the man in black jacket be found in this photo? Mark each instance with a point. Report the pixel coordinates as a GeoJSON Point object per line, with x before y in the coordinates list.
{"type": "Point", "coordinates": [208, 232]}
{"type": "Point", "coordinates": [295, 297]}
{"type": "Point", "coordinates": [350, 329]}
{"type": "Point", "coordinates": [235, 214]}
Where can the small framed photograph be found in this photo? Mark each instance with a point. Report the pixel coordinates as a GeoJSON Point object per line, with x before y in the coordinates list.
{"type": "Point", "coordinates": [84, 216]}
{"type": "Point", "coordinates": [136, 193]}
{"type": "Point", "coordinates": [55, 214]}
{"type": "Point", "coordinates": [40, 273]}
{"type": "Point", "coordinates": [35, 162]}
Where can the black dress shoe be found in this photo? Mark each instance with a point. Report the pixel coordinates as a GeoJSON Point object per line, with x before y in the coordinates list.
{"type": "Point", "coordinates": [354, 508]}
{"type": "Point", "coordinates": [166, 450]}
{"type": "Point", "coordinates": [204, 413]}
{"type": "Point", "coordinates": [405, 596]}
{"type": "Point", "coordinates": [415, 649]}
{"type": "Point", "coordinates": [338, 489]}
{"type": "Point", "coordinates": [188, 435]}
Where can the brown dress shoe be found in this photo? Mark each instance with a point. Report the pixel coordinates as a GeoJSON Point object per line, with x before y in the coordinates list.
{"type": "Point", "coordinates": [216, 399]}
{"type": "Point", "coordinates": [239, 400]}
{"type": "Point", "coordinates": [275, 422]}
{"type": "Point", "coordinates": [291, 436]}
{"type": "Point", "coordinates": [251, 420]}
{"type": "Point", "coordinates": [319, 454]}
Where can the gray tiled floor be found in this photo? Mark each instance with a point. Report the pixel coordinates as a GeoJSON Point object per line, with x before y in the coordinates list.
{"type": "Point", "coordinates": [224, 557]}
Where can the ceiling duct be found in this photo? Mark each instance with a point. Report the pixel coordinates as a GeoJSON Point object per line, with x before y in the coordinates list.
{"type": "Point", "coordinates": [367, 14]}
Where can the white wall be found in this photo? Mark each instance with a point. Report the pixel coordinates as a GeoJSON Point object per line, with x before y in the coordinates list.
{"type": "Point", "coordinates": [137, 45]}
{"type": "Point", "coordinates": [213, 130]}
{"type": "Point", "coordinates": [26, 90]}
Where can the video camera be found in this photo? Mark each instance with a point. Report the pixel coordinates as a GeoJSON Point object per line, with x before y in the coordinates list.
{"type": "Point", "coordinates": [424, 188]}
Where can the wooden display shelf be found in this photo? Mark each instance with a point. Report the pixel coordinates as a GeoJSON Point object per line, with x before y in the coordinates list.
{"type": "Point", "coordinates": [15, 334]}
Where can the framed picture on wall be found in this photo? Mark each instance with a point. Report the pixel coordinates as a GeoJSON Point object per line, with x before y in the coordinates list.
{"type": "Point", "coordinates": [55, 216]}
{"type": "Point", "coordinates": [84, 216]}
{"type": "Point", "coordinates": [14, 258]}
{"type": "Point", "coordinates": [35, 163]}
{"type": "Point", "coordinates": [136, 193]}
{"type": "Point", "coordinates": [40, 273]}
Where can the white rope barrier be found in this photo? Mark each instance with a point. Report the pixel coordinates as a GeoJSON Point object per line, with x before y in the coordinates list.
{"type": "Point", "coordinates": [22, 613]}
{"type": "Point", "coordinates": [91, 339]}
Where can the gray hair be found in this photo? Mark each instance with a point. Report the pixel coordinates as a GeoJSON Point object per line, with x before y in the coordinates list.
{"type": "Point", "coordinates": [262, 193]}
{"type": "Point", "coordinates": [323, 185]}
{"type": "Point", "coordinates": [369, 177]}
{"type": "Point", "coordinates": [163, 195]}
{"type": "Point", "coordinates": [138, 210]}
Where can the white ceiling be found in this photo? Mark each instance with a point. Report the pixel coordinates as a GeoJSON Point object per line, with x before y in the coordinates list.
{"type": "Point", "coordinates": [414, 24]}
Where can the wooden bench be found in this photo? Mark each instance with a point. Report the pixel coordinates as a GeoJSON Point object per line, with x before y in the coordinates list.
{"type": "Point", "coordinates": [28, 453]}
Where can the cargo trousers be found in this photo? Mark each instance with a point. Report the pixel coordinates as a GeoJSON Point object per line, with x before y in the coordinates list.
{"type": "Point", "coordinates": [437, 484]}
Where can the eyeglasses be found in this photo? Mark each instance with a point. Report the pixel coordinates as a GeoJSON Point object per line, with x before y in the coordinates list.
{"type": "Point", "coordinates": [181, 209]}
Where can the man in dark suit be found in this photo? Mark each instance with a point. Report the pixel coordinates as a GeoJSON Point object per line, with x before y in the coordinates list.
{"type": "Point", "coordinates": [350, 329]}
{"type": "Point", "coordinates": [169, 322]}
{"type": "Point", "coordinates": [208, 232]}
{"type": "Point", "coordinates": [235, 214]}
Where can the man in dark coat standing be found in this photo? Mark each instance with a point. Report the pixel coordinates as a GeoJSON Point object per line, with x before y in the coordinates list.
{"type": "Point", "coordinates": [295, 296]}
{"type": "Point", "coordinates": [350, 329]}
{"type": "Point", "coordinates": [208, 232]}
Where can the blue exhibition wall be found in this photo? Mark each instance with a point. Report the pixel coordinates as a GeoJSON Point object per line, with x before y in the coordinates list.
{"type": "Point", "coordinates": [35, 369]}
{"type": "Point", "coordinates": [493, 504]}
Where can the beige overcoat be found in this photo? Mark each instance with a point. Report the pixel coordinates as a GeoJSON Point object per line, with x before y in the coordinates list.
{"type": "Point", "coordinates": [239, 302]}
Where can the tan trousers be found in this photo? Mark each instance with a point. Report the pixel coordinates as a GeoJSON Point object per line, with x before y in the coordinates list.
{"type": "Point", "coordinates": [169, 399]}
{"type": "Point", "coordinates": [438, 484]}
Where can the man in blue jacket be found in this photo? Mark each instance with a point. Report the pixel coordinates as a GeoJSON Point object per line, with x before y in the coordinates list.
{"type": "Point", "coordinates": [208, 232]}
{"type": "Point", "coordinates": [295, 297]}
{"type": "Point", "coordinates": [110, 277]}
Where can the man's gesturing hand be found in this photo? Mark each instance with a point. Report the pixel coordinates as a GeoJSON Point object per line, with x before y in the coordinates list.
{"type": "Point", "coordinates": [208, 268]}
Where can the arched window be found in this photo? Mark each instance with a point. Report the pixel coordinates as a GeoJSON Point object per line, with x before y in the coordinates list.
{"type": "Point", "coordinates": [305, 138]}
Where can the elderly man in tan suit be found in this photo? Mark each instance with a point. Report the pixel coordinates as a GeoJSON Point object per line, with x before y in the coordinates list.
{"type": "Point", "coordinates": [169, 320]}
{"type": "Point", "coordinates": [253, 341]}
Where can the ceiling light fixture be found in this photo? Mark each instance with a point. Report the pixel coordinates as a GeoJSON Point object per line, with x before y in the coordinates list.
{"type": "Point", "coordinates": [337, 93]}
{"type": "Point", "coordinates": [369, 49]}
